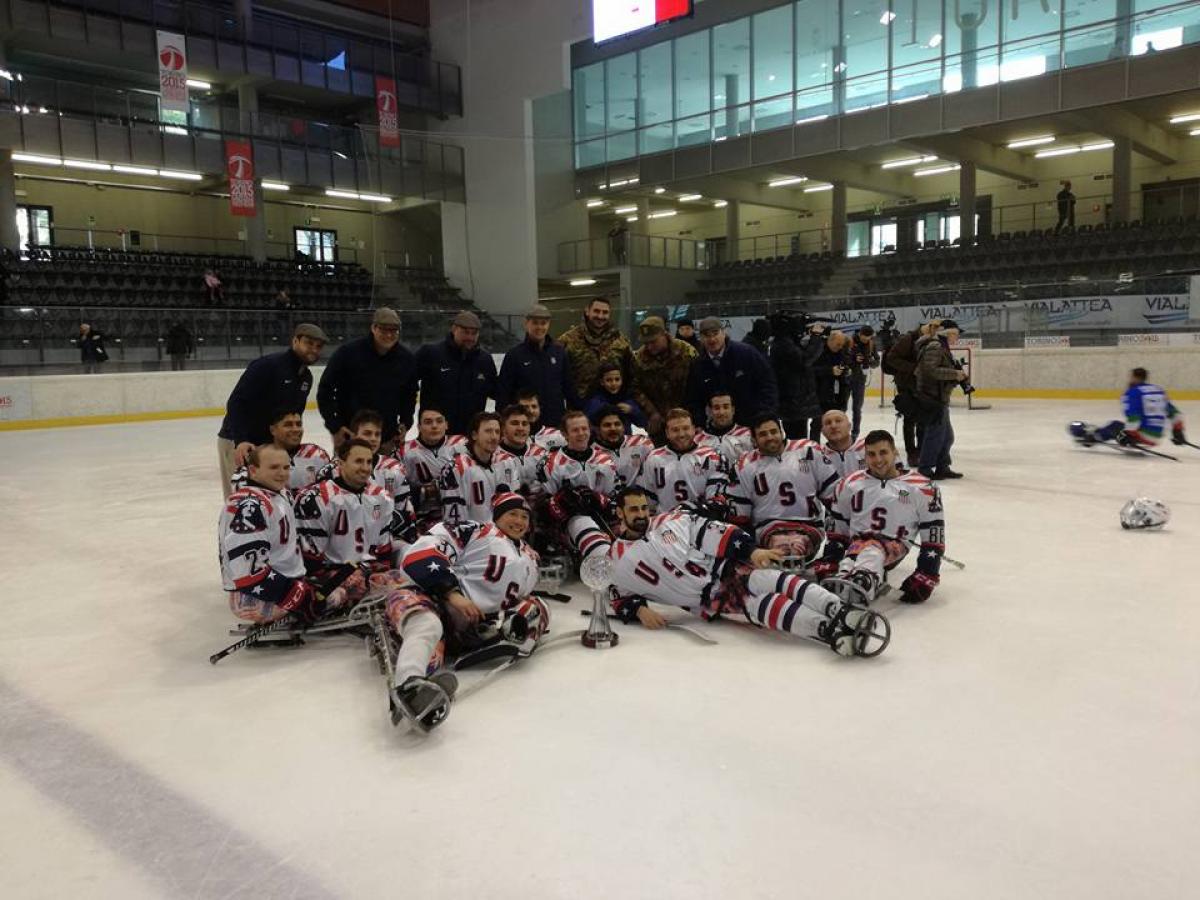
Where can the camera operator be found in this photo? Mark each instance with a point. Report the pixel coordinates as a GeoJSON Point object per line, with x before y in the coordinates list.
{"type": "Point", "coordinates": [793, 351]}
{"type": "Point", "coordinates": [832, 371]}
{"type": "Point", "coordinates": [863, 358]}
{"type": "Point", "coordinates": [901, 363]}
{"type": "Point", "coordinates": [937, 376]}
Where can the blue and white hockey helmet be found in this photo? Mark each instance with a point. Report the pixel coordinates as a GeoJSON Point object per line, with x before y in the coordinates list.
{"type": "Point", "coordinates": [1144, 513]}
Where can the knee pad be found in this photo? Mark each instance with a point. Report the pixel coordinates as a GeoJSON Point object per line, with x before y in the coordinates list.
{"type": "Point", "coordinates": [405, 600]}
{"type": "Point", "coordinates": [797, 539]}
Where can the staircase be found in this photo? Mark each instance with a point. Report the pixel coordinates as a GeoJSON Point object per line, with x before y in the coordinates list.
{"type": "Point", "coordinates": [847, 277]}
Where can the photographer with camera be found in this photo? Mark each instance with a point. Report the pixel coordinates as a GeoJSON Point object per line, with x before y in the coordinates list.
{"type": "Point", "coordinates": [900, 361]}
{"type": "Point", "coordinates": [863, 358]}
{"type": "Point", "coordinates": [832, 371]}
{"type": "Point", "coordinates": [793, 351]}
{"type": "Point", "coordinates": [937, 375]}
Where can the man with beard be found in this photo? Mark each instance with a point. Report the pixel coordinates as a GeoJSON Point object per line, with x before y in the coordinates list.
{"type": "Point", "coordinates": [660, 374]}
{"type": "Point", "coordinates": [628, 450]}
{"type": "Point", "coordinates": [592, 343]}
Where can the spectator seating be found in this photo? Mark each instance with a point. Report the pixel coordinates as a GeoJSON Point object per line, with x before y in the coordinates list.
{"type": "Point", "coordinates": [79, 277]}
{"type": "Point", "coordinates": [773, 278]}
{"type": "Point", "coordinates": [1041, 264]}
{"type": "Point", "coordinates": [429, 286]}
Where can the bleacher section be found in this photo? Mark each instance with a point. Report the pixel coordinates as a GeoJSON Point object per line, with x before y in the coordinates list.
{"type": "Point", "coordinates": [1042, 263]}
{"type": "Point", "coordinates": [427, 286]}
{"type": "Point", "coordinates": [775, 278]}
{"type": "Point", "coordinates": [79, 276]}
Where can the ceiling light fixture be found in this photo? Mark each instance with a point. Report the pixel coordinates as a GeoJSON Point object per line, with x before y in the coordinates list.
{"type": "Point", "coordinates": [688, 198]}
{"type": "Point", "coordinates": [720, 204]}
{"type": "Point", "coordinates": [37, 160]}
{"type": "Point", "coordinates": [1100, 145]}
{"type": "Point", "coordinates": [663, 214]}
{"type": "Point", "coordinates": [908, 161]}
{"type": "Point", "coordinates": [660, 190]}
{"type": "Point", "coordinates": [936, 170]}
{"type": "Point", "coordinates": [622, 210]}
{"type": "Point", "coordinates": [582, 282]}
{"type": "Point", "coordinates": [275, 186]}
{"type": "Point", "coordinates": [87, 164]}
{"type": "Point", "coordinates": [345, 195]}
{"type": "Point", "coordinates": [592, 204]}
{"type": "Point", "coordinates": [784, 182]}
{"type": "Point", "coordinates": [135, 170]}
{"type": "Point", "coordinates": [375, 198]}
{"type": "Point", "coordinates": [817, 188]}
{"type": "Point", "coordinates": [1030, 142]}
{"type": "Point", "coordinates": [180, 176]}
{"type": "Point", "coordinates": [1185, 117]}
{"type": "Point", "coordinates": [198, 84]}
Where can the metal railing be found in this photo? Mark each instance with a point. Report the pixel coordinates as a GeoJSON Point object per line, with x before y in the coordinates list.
{"type": "Point", "coordinates": [131, 239]}
{"type": "Point", "coordinates": [634, 250]}
{"type": "Point", "coordinates": [37, 340]}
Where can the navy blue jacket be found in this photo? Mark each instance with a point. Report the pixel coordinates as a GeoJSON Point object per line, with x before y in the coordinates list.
{"type": "Point", "coordinates": [272, 382]}
{"type": "Point", "coordinates": [357, 377]}
{"type": "Point", "coordinates": [743, 373]}
{"type": "Point", "coordinates": [543, 369]}
{"type": "Point", "coordinates": [457, 383]}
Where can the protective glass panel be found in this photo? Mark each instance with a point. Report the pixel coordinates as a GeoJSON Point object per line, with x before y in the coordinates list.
{"type": "Point", "coordinates": [731, 64]}
{"type": "Point", "coordinates": [692, 95]}
{"type": "Point", "coordinates": [917, 41]}
{"type": "Point", "coordinates": [654, 84]}
{"type": "Point", "coordinates": [588, 97]}
{"type": "Point", "coordinates": [816, 37]}
{"type": "Point", "coordinates": [773, 68]}
{"type": "Point", "coordinates": [620, 83]}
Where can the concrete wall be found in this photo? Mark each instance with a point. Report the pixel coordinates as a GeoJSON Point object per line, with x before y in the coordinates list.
{"type": "Point", "coordinates": [511, 52]}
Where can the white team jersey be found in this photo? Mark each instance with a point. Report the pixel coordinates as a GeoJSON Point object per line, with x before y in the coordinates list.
{"type": "Point", "coordinates": [598, 471]}
{"type": "Point", "coordinates": [550, 438]}
{"type": "Point", "coordinates": [424, 466]}
{"type": "Point", "coordinates": [468, 485]}
{"type": "Point", "coordinates": [731, 445]}
{"type": "Point", "coordinates": [678, 560]}
{"type": "Point", "coordinates": [673, 477]}
{"type": "Point", "coordinates": [897, 508]}
{"type": "Point", "coordinates": [787, 487]}
{"type": "Point", "coordinates": [308, 462]}
{"type": "Point", "coordinates": [389, 474]}
{"type": "Point", "coordinates": [629, 457]}
{"type": "Point", "coordinates": [531, 460]}
{"type": "Point", "coordinates": [339, 526]}
{"type": "Point", "coordinates": [492, 568]}
{"type": "Point", "coordinates": [849, 460]}
{"type": "Point", "coordinates": [257, 532]}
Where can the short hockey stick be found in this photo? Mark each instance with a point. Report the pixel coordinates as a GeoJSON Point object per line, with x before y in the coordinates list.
{"type": "Point", "coordinates": [286, 623]}
{"type": "Point", "coordinates": [954, 562]}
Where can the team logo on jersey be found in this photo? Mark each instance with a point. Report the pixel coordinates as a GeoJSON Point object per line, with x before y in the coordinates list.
{"type": "Point", "coordinates": [904, 496]}
{"type": "Point", "coordinates": [376, 512]}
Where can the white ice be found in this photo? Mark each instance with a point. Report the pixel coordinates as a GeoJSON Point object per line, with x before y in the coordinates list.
{"type": "Point", "coordinates": [1032, 732]}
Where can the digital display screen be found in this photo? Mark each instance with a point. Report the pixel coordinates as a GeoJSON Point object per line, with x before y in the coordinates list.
{"type": "Point", "coordinates": [617, 18]}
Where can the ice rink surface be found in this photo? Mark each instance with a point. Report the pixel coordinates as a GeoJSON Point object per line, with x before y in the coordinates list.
{"type": "Point", "coordinates": [1032, 732]}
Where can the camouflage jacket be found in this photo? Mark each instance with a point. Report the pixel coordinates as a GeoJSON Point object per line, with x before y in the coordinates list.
{"type": "Point", "coordinates": [587, 352]}
{"type": "Point", "coordinates": [663, 379]}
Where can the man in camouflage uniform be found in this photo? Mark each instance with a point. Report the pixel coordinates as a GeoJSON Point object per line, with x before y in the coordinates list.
{"type": "Point", "coordinates": [660, 373]}
{"type": "Point", "coordinates": [594, 342]}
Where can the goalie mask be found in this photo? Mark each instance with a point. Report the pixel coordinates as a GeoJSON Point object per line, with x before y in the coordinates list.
{"type": "Point", "coordinates": [1144, 513]}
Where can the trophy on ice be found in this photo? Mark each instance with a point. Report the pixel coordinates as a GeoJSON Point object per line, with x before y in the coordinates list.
{"type": "Point", "coordinates": [595, 572]}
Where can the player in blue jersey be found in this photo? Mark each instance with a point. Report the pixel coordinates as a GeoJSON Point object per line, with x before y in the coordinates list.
{"type": "Point", "coordinates": [1148, 410]}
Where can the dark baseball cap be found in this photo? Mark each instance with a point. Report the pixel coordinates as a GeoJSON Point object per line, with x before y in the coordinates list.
{"type": "Point", "coordinates": [651, 327]}
{"type": "Point", "coordinates": [467, 319]}
{"type": "Point", "coordinates": [709, 323]}
{"type": "Point", "coordinates": [385, 315]}
{"type": "Point", "coordinates": [309, 330]}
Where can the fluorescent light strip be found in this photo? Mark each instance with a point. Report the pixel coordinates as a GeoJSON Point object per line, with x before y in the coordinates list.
{"type": "Point", "coordinates": [592, 204]}
{"type": "Point", "coordinates": [1030, 142]}
{"type": "Point", "coordinates": [87, 164]}
{"type": "Point", "coordinates": [631, 218]}
{"type": "Point", "coordinates": [375, 198]}
{"type": "Point", "coordinates": [175, 129]}
{"type": "Point", "coordinates": [936, 170]}
{"type": "Point", "coordinates": [345, 195]}
{"type": "Point", "coordinates": [1102, 145]}
{"type": "Point", "coordinates": [908, 161]}
{"type": "Point", "coordinates": [784, 182]}
{"type": "Point", "coordinates": [663, 214]}
{"type": "Point", "coordinates": [135, 170]}
{"type": "Point", "coordinates": [688, 198]}
{"type": "Point", "coordinates": [660, 190]}
{"type": "Point", "coordinates": [1186, 117]}
{"type": "Point", "coordinates": [275, 186]}
{"type": "Point", "coordinates": [720, 204]}
{"type": "Point", "coordinates": [198, 84]}
{"type": "Point", "coordinates": [37, 160]}
{"type": "Point", "coordinates": [1056, 151]}
{"type": "Point", "coordinates": [622, 210]}
{"type": "Point", "coordinates": [817, 188]}
{"type": "Point", "coordinates": [1195, 132]}
{"type": "Point", "coordinates": [181, 176]}
{"type": "Point", "coordinates": [582, 282]}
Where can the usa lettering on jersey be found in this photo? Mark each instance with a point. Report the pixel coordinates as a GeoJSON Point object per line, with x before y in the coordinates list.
{"type": "Point", "coordinates": [550, 438]}
{"type": "Point", "coordinates": [630, 457]}
{"type": "Point", "coordinates": [597, 472]}
{"type": "Point", "coordinates": [852, 459]}
{"type": "Point", "coordinates": [674, 478]}
{"type": "Point", "coordinates": [308, 462]}
{"type": "Point", "coordinates": [340, 526]}
{"type": "Point", "coordinates": [490, 568]}
{"type": "Point", "coordinates": [898, 508]}
{"type": "Point", "coordinates": [468, 485]}
{"type": "Point", "coordinates": [731, 445]}
{"type": "Point", "coordinates": [790, 486]}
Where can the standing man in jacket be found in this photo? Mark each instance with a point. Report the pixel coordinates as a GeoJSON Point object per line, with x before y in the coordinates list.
{"type": "Point", "coordinates": [733, 368]}
{"type": "Point", "coordinates": [660, 374]}
{"type": "Point", "coordinates": [594, 342]}
{"type": "Point", "coordinates": [456, 376]}
{"type": "Point", "coordinates": [901, 363]}
{"type": "Point", "coordinates": [371, 372]}
{"type": "Point", "coordinates": [793, 352]}
{"type": "Point", "coordinates": [863, 358]}
{"type": "Point", "coordinates": [937, 376]}
{"type": "Point", "coordinates": [832, 373]}
{"type": "Point", "coordinates": [538, 364]}
{"type": "Point", "coordinates": [276, 381]}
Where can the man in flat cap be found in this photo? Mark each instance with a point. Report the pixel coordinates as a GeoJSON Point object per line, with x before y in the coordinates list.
{"type": "Point", "coordinates": [371, 372]}
{"type": "Point", "coordinates": [270, 383]}
{"type": "Point", "coordinates": [457, 377]}
{"type": "Point", "coordinates": [538, 364]}
{"type": "Point", "coordinates": [660, 373]}
{"type": "Point", "coordinates": [730, 367]}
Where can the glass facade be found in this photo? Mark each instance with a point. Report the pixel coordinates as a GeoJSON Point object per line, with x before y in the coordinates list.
{"type": "Point", "coordinates": [813, 58]}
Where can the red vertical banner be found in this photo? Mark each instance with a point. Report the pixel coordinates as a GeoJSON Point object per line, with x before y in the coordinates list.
{"type": "Point", "coordinates": [239, 166]}
{"type": "Point", "coordinates": [385, 106]}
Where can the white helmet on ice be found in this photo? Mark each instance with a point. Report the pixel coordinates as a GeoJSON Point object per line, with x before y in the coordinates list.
{"type": "Point", "coordinates": [1144, 513]}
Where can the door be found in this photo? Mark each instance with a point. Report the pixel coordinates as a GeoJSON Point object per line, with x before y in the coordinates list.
{"type": "Point", "coordinates": [316, 245]}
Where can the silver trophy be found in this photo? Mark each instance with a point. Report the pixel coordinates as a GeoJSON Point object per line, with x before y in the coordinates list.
{"type": "Point", "coordinates": [595, 571]}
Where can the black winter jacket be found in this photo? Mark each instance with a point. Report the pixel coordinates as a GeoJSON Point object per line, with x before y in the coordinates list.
{"type": "Point", "coordinates": [793, 363]}
{"type": "Point", "coordinates": [457, 383]}
{"type": "Point", "coordinates": [273, 382]}
{"type": "Point", "coordinates": [358, 378]}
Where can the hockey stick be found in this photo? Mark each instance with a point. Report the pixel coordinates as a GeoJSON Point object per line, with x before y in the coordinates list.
{"type": "Point", "coordinates": [1190, 444]}
{"type": "Point", "coordinates": [949, 559]}
{"type": "Point", "coordinates": [281, 624]}
{"type": "Point", "coordinates": [511, 661]}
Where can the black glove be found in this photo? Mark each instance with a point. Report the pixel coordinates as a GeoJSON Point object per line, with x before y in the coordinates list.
{"type": "Point", "coordinates": [1178, 438]}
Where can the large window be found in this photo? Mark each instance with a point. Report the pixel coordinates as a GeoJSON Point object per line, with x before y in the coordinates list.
{"type": "Point", "coordinates": [315, 245]}
{"type": "Point", "coordinates": [807, 59]}
{"type": "Point", "coordinates": [35, 225]}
